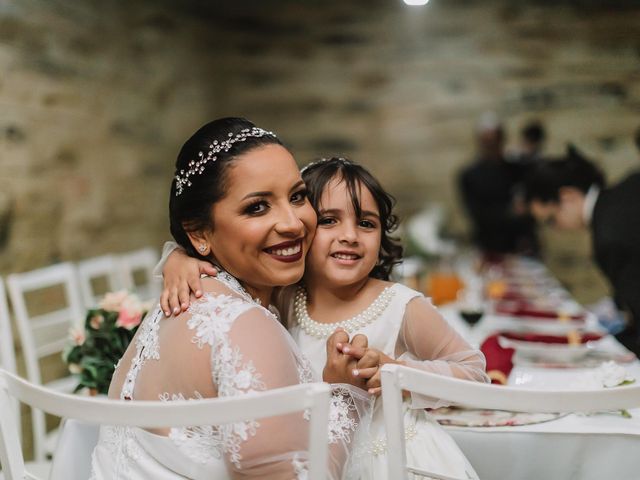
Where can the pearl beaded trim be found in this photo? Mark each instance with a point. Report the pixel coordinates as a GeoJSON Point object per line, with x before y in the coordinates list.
{"type": "Point", "coordinates": [379, 446]}
{"type": "Point", "coordinates": [323, 330]}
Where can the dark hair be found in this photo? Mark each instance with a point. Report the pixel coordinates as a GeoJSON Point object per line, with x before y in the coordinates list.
{"type": "Point", "coordinates": [191, 210]}
{"type": "Point", "coordinates": [573, 170]}
{"type": "Point", "coordinates": [318, 175]}
{"type": "Point", "coordinates": [533, 132]}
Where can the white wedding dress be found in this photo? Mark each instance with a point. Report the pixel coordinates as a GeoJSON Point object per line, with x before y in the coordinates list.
{"type": "Point", "coordinates": [225, 345]}
{"type": "Point", "coordinates": [405, 326]}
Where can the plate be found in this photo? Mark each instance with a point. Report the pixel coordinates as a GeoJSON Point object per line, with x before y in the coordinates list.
{"type": "Point", "coordinates": [467, 417]}
{"type": "Point", "coordinates": [551, 348]}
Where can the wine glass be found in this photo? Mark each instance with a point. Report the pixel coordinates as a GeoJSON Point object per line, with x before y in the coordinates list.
{"type": "Point", "coordinates": [471, 304]}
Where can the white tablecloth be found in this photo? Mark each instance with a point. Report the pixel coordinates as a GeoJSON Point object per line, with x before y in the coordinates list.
{"type": "Point", "coordinates": [576, 446]}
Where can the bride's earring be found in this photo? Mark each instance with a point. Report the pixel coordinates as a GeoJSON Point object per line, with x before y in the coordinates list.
{"type": "Point", "coordinates": [202, 248]}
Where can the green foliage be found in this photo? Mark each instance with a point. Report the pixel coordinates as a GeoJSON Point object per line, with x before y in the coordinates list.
{"type": "Point", "coordinates": [94, 356]}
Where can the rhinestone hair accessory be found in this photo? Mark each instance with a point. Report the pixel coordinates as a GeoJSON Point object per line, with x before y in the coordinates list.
{"type": "Point", "coordinates": [197, 166]}
{"type": "Point", "coordinates": [325, 160]}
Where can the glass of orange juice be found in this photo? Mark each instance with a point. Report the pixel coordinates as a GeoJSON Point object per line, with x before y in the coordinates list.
{"type": "Point", "coordinates": [443, 287]}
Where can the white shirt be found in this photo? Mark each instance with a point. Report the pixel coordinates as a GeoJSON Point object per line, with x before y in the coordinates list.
{"type": "Point", "coordinates": [589, 203]}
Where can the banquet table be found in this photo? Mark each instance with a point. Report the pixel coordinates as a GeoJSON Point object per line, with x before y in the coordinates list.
{"type": "Point", "coordinates": [574, 446]}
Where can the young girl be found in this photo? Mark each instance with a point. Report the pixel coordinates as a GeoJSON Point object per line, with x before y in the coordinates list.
{"type": "Point", "coordinates": [346, 285]}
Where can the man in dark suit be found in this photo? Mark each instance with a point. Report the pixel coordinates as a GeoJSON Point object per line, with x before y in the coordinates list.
{"type": "Point", "coordinates": [489, 191]}
{"type": "Point", "coordinates": [570, 193]}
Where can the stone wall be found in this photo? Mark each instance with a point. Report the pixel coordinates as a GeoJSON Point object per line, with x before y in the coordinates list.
{"type": "Point", "coordinates": [97, 96]}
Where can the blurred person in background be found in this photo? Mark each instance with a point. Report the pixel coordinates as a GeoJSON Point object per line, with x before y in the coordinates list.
{"type": "Point", "coordinates": [489, 190]}
{"type": "Point", "coordinates": [570, 193]}
{"type": "Point", "coordinates": [531, 147]}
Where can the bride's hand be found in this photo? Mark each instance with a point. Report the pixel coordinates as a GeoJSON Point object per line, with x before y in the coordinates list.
{"type": "Point", "coordinates": [181, 274]}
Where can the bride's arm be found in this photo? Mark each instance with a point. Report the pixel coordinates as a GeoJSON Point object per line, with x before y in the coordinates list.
{"type": "Point", "coordinates": [260, 355]}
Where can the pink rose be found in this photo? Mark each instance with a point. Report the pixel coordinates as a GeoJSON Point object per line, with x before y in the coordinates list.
{"type": "Point", "coordinates": [96, 321]}
{"type": "Point", "coordinates": [77, 336]}
{"type": "Point", "coordinates": [130, 313]}
{"type": "Point", "coordinates": [128, 320]}
{"type": "Point", "coordinates": [112, 301]}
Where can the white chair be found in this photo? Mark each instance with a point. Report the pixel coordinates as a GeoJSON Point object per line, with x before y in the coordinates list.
{"type": "Point", "coordinates": [105, 267]}
{"type": "Point", "coordinates": [8, 363]}
{"type": "Point", "coordinates": [311, 397]}
{"type": "Point", "coordinates": [464, 393]}
{"type": "Point", "coordinates": [45, 334]}
{"type": "Point", "coordinates": [7, 349]}
{"type": "Point", "coordinates": [140, 261]}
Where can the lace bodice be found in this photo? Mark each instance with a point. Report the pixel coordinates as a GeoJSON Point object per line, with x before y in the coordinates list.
{"type": "Point", "coordinates": [226, 344]}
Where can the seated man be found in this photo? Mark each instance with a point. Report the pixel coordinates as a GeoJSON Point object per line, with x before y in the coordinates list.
{"type": "Point", "coordinates": [570, 193]}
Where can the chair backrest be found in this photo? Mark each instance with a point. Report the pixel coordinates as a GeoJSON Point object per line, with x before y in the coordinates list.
{"type": "Point", "coordinates": [464, 393]}
{"type": "Point", "coordinates": [105, 267]}
{"type": "Point", "coordinates": [311, 397]}
{"type": "Point", "coordinates": [140, 261]}
{"type": "Point", "coordinates": [47, 333]}
{"type": "Point", "coordinates": [7, 349]}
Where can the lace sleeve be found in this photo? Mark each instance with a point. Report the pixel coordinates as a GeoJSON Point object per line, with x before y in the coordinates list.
{"type": "Point", "coordinates": [251, 351]}
{"type": "Point", "coordinates": [427, 342]}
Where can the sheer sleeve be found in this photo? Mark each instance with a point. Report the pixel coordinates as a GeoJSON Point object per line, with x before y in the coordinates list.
{"type": "Point", "coordinates": [427, 342]}
{"type": "Point", "coordinates": [166, 251]}
{"type": "Point", "coordinates": [251, 351]}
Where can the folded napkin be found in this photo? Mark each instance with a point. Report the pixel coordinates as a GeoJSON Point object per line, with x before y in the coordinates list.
{"type": "Point", "coordinates": [499, 359]}
{"type": "Point", "coordinates": [518, 309]}
{"type": "Point", "coordinates": [557, 339]}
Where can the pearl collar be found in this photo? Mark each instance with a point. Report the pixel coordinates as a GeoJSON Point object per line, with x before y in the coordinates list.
{"type": "Point", "coordinates": [323, 330]}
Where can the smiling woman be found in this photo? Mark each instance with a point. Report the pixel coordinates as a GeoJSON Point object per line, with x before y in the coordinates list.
{"type": "Point", "coordinates": [239, 201]}
{"type": "Point", "coordinates": [262, 227]}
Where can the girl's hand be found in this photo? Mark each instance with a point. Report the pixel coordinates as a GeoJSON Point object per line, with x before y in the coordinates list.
{"type": "Point", "coordinates": [181, 274]}
{"type": "Point", "coordinates": [367, 359]}
{"type": "Point", "coordinates": [341, 368]}
{"type": "Point", "coordinates": [372, 375]}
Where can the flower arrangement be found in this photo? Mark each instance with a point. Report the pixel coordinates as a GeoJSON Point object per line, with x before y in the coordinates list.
{"type": "Point", "coordinates": [108, 331]}
{"type": "Point", "coordinates": [608, 375]}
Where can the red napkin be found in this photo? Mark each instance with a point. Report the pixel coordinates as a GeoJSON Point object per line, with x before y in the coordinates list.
{"type": "Point", "coordinates": [499, 359]}
{"type": "Point", "coordinates": [559, 339]}
{"type": "Point", "coordinates": [513, 294]}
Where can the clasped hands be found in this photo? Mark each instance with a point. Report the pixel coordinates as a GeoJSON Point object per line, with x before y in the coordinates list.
{"type": "Point", "coordinates": [353, 362]}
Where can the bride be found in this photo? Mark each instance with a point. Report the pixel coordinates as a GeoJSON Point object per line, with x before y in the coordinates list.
{"type": "Point", "coordinates": [237, 192]}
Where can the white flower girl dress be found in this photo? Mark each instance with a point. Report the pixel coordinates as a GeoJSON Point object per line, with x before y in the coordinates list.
{"type": "Point", "coordinates": [405, 326]}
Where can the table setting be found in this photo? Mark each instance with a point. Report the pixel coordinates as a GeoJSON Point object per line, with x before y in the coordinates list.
{"type": "Point", "coordinates": [535, 335]}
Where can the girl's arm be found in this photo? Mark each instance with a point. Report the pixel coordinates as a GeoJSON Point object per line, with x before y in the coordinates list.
{"type": "Point", "coordinates": [181, 276]}
{"type": "Point", "coordinates": [427, 342]}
